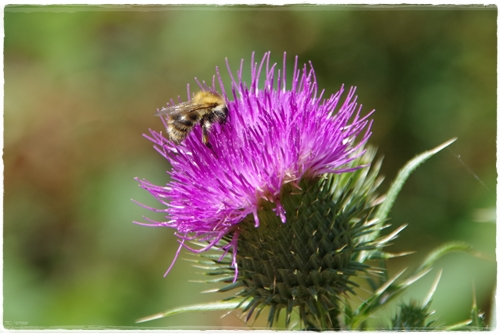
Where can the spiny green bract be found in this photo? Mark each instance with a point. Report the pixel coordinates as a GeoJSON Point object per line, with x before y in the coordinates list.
{"type": "Point", "coordinates": [307, 263]}
{"type": "Point", "coordinates": [413, 317]}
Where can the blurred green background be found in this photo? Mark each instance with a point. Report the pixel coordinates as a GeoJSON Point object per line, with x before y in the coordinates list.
{"type": "Point", "coordinates": [82, 84]}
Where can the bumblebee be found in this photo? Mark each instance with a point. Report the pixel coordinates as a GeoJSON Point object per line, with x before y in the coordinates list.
{"type": "Point", "coordinates": [205, 108]}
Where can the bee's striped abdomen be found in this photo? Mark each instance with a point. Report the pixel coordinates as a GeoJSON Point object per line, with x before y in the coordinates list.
{"type": "Point", "coordinates": [179, 125]}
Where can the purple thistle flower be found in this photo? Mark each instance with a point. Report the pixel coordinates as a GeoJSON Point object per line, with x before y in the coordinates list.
{"type": "Point", "coordinates": [274, 135]}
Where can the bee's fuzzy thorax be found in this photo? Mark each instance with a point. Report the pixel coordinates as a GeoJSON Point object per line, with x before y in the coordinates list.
{"type": "Point", "coordinates": [207, 97]}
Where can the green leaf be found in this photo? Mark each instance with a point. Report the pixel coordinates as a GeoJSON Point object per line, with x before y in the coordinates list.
{"type": "Point", "coordinates": [403, 174]}
{"type": "Point", "coordinates": [386, 206]}
{"type": "Point", "coordinates": [218, 306]}
{"type": "Point", "coordinates": [447, 248]}
{"type": "Point", "coordinates": [457, 326]}
{"type": "Point", "coordinates": [428, 299]}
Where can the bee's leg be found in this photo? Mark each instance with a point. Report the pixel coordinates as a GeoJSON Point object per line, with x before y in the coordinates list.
{"type": "Point", "coordinates": [205, 127]}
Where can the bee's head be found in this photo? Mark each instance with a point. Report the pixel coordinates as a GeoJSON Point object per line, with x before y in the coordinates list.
{"type": "Point", "coordinates": [220, 113]}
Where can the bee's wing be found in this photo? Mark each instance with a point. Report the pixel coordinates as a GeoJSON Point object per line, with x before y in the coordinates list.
{"type": "Point", "coordinates": [177, 108]}
{"type": "Point", "coordinates": [184, 107]}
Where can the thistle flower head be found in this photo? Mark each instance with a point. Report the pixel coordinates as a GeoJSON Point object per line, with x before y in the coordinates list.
{"type": "Point", "coordinates": [277, 135]}
{"type": "Point", "coordinates": [286, 197]}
